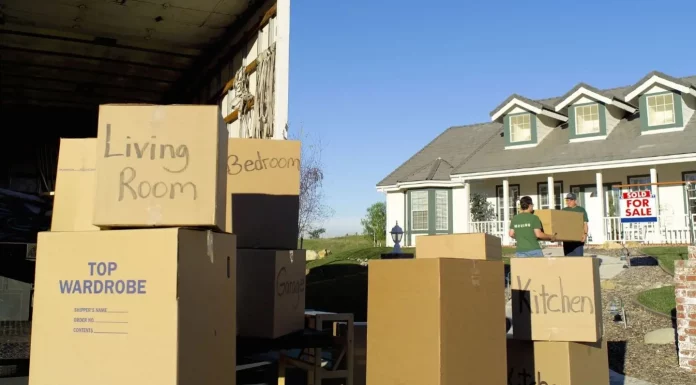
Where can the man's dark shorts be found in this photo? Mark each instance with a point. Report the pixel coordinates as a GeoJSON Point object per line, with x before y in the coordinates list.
{"type": "Point", "coordinates": [573, 249]}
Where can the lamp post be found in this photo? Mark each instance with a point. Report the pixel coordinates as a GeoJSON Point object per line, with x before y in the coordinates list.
{"type": "Point", "coordinates": [397, 234]}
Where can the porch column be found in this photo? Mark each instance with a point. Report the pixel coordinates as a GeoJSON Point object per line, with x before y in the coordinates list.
{"type": "Point", "coordinates": [506, 211]}
{"type": "Point", "coordinates": [467, 207]}
{"type": "Point", "coordinates": [655, 189]}
{"type": "Point", "coordinates": [552, 193]}
{"type": "Point", "coordinates": [601, 227]}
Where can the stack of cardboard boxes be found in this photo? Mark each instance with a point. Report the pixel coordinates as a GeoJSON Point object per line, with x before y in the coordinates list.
{"type": "Point", "coordinates": [557, 314]}
{"type": "Point", "coordinates": [140, 279]}
{"type": "Point", "coordinates": [438, 319]}
{"type": "Point", "coordinates": [556, 322]}
{"type": "Point", "coordinates": [263, 187]}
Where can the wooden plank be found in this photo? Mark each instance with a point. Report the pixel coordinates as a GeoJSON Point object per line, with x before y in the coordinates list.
{"type": "Point", "coordinates": [248, 71]}
{"type": "Point", "coordinates": [232, 117]}
{"type": "Point", "coordinates": [252, 66]}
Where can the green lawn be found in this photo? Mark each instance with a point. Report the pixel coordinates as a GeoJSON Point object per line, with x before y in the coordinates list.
{"type": "Point", "coordinates": [667, 255]}
{"type": "Point", "coordinates": [661, 299]}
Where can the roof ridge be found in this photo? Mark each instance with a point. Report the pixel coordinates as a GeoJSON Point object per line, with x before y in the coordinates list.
{"type": "Point", "coordinates": [417, 153]}
{"type": "Point", "coordinates": [606, 89]}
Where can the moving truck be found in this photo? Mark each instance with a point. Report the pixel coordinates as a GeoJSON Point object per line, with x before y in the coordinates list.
{"type": "Point", "coordinates": [60, 60]}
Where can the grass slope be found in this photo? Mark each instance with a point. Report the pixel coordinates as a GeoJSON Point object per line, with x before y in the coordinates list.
{"type": "Point", "coordinates": [660, 300]}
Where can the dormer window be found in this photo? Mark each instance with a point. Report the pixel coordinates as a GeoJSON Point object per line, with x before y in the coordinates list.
{"type": "Point", "coordinates": [587, 120]}
{"type": "Point", "coordinates": [588, 111]}
{"type": "Point", "coordinates": [660, 109]}
{"type": "Point", "coordinates": [664, 102]}
{"type": "Point", "coordinates": [520, 128]}
{"type": "Point", "coordinates": [526, 122]}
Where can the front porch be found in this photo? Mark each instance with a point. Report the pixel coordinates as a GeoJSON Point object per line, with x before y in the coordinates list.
{"type": "Point", "coordinates": [676, 204]}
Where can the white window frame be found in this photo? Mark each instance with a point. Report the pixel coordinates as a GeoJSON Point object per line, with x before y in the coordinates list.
{"type": "Point", "coordinates": [558, 192]}
{"type": "Point", "coordinates": [653, 105]}
{"type": "Point", "coordinates": [587, 119]}
{"type": "Point", "coordinates": [639, 179]}
{"type": "Point", "coordinates": [413, 195]}
{"type": "Point", "coordinates": [519, 123]}
{"type": "Point", "coordinates": [441, 194]}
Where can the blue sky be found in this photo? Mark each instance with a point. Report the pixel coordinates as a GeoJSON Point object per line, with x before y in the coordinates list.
{"type": "Point", "coordinates": [377, 80]}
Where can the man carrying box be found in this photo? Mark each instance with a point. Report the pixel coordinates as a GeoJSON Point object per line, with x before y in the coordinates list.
{"type": "Point", "coordinates": [575, 249]}
{"type": "Point", "coordinates": [525, 228]}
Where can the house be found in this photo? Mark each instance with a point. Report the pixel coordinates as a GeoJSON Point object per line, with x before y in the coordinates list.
{"type": "Point", "coordinates": [589, 141]}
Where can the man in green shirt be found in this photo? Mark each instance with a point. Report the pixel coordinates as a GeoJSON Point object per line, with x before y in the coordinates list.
{"type": "Point", "coordinates": [526, 228]}
{"type": "Point", "coordinates": [575, 249]}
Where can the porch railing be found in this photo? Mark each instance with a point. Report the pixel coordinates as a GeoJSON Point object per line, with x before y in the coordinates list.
{"type": "Point", "coordinates": [496, 228]}
{"type": "Point", "coordinates": [669, 229]}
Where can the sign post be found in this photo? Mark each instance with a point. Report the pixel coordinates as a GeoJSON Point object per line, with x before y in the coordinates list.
{"type": "Point", "coordinates": [638, 206]}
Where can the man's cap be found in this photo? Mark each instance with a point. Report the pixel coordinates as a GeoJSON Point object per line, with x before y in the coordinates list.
{"type": "Point", "coordinates": [570, 196]}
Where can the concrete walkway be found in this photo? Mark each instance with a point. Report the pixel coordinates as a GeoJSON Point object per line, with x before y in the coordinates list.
{"type": "Point", "coordinates": [610, 268]}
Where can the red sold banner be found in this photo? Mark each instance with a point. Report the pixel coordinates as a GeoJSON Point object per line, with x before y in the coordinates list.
{"type": "Point", "coordinates": [638, 206]}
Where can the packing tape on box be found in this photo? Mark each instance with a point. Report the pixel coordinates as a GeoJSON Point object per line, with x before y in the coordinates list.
{"type": "Point", "coordinates": [154, 215]}
{"type": "Point", "coordinates": [209, 244]}
{"type": "Point", "coordinates": [475, 275]}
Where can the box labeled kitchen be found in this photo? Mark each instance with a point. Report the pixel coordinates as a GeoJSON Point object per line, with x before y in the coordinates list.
{"type": "Point", "coordinates": [556, 299]}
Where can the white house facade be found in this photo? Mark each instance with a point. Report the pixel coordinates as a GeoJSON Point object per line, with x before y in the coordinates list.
{"type": "Point", "coordinates": [594, 143]}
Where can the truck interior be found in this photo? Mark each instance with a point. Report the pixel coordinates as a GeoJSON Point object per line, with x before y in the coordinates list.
{"type": "Point", "coordinates": [61, 59]}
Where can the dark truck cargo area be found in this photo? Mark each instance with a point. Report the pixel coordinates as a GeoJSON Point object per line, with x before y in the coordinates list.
{"type": "Point", "coordinates": [58, 62]}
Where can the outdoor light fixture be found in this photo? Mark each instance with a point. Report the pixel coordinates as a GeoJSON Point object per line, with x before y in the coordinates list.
{"type": "Point", "coordinates": [617, 311]}
{"type": "Point", "coordinates": [397, 234]}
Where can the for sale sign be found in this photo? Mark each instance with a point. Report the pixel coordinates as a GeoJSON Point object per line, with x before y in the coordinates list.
{"type": "Point", "coordinates": [638, 206]}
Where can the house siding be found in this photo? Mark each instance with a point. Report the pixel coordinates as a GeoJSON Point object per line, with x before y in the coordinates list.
{"type": "Point", "coordinates": [396, 205]}
{"type": "Point", "coordinates": [460, 210]}
{"type": "Point", "coordinates": [544, 125]}
{"type": "Point", "coordinates": [613, 116]}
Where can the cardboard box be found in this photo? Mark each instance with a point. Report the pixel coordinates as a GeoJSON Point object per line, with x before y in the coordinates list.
{"type": "Point", "coordinates": [160, 166]}
{"type": "Point", "coordinates": [270, 292]}
{"type": "Point", "coordinates": [567, 225]}
{"type": "Point", "coordinates": [435, 322]}
{"type": "Point", "coordinates": [73, 202]}
{"type": "Point", "coordinates": [557, 363]}
{"type": "Point", "coordinates": [263, 193]}
{"type": "Point", "coordinates": [466, 245]}
{"type": "Point", "coordinates": [556, 299]}
{"type": "Point", "coordinates": [154, 306]}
